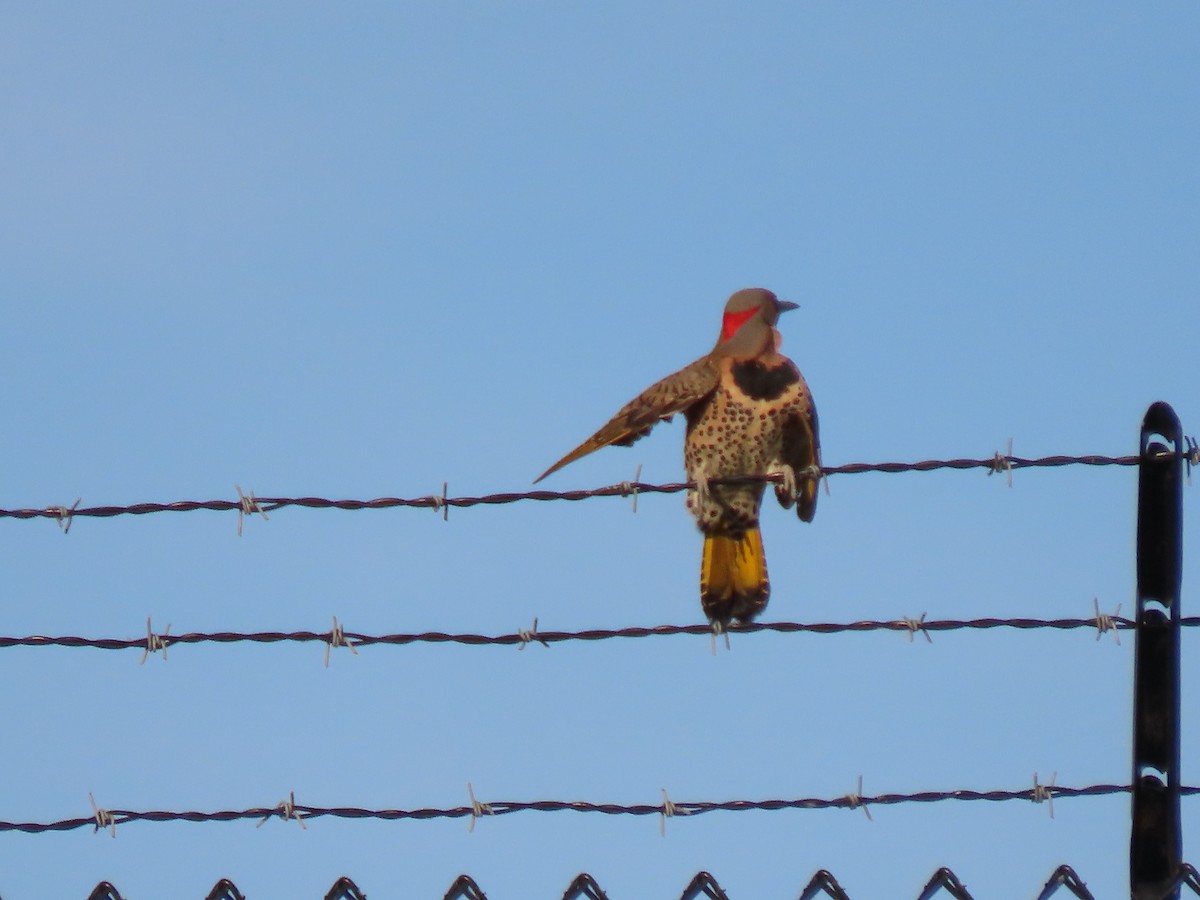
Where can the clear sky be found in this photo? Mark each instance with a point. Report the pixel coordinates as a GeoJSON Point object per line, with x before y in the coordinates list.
{"type": "Point", "coordinates": [356, 250]}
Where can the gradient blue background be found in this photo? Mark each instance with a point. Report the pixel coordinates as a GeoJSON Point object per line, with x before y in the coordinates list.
{"type": "Point", "coordinates": [355, 250]}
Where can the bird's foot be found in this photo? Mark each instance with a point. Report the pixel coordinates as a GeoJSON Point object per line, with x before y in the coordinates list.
{"type": "Point", "coordinates": [786, 489]}
{"type": "Point", "coordinates": [703, 492]}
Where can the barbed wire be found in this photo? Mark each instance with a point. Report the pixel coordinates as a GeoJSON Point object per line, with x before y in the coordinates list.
{"type": "Point", "coordinates": [339, 637]}
{"type": "Point", "coordinates": [108, 819]}
{"type": "Point", "coordinates": [249, 504]}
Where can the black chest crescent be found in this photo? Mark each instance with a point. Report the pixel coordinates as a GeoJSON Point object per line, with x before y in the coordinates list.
{"type": "Point", "coordinates": [760, 382]}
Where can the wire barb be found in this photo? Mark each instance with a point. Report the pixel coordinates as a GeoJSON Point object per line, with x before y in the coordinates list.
{"type": "Point", "coordinates": [155, 642]}
{"type": "Point", "coordinates": [528, 636]}
{"type": "Point", "coordinates": [718, 629]}
{"type": "Point", "coordinates": [668, 811]}
{"type": "Point", "coordinates": [285, 809]}
{"type": "Point", "coordinates": [915, 625]}
{"type": "Point", "coordinates": [442, 503]}
{"type": "Point", "coordinates": [103, 818]}
{"type": "Point", "coordinates": [337, 638]}
{"type": "Point", "coordinates": [814, 473]}
{"type": "Point", "coordinates": [1044, 793]}
{"type": "Point", "coordinates": [248, 505]}
{"type": "Point", "coordinates": [478, 810]}
{"type": "Point", "coordinates": [1191, 456]}
{"type": "Point", "coordinates": [1003, 463]}
{"type": "Point", "coordinates": [630, 488]}
{"type": "Point", "coordinates": [1106, 622]}
{"type": "Point", "coordinates": [856, 801]}
{"type": "Point", "coordinates": [64, 514]}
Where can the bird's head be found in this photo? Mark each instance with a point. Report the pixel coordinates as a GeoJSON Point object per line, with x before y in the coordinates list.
{"type": "Point", "coordinates": [750, 317]}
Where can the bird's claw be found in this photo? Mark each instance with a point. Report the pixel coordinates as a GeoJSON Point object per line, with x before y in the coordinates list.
{"type": "Point", "coordinates": [786, 490]}
{"type": "Point", "coordinates": [703, 492]}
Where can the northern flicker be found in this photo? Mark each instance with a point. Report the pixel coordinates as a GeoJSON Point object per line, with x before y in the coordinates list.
{"type": "Point", "coordinates": [749, 412]}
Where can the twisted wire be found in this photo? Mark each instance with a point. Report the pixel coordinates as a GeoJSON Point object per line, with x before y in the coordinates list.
{"type": "Point", "coordinates": [521, 638]}
{"type": "Point", "coordinates": [303, 812]}
{"type": "Point", "coordinates": [252, 504]}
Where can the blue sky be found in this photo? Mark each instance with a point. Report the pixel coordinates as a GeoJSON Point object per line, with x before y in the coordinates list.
{"type": "Point", "coordinates": [357, 251]}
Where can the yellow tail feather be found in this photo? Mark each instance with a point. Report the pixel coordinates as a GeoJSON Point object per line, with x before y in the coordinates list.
{"type": "Point", "coordinates": [733, 576]}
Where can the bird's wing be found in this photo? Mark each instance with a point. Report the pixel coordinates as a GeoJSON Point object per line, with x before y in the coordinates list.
{"type": "Point", "coordinates": [659, 402]}
{"type": "Point", "coordinates": [802, 450]}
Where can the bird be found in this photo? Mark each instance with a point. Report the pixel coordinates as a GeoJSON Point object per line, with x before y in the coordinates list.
{"type": "Point", "coordinates": [749, 412]}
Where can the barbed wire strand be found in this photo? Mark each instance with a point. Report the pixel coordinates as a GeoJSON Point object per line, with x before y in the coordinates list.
{"type": "Point", "coordinates": [106, 818]}
{"type": "Point", "coordinates": [353, 639]}
{"type": "Point", "coordinates": [247, 504]}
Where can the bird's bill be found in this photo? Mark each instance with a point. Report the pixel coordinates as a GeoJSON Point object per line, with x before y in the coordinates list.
{"type": "Point", "coordinates": [785, 305]}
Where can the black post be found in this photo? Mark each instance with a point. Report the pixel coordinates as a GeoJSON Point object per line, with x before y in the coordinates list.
{"type": "Point", "coordinates": [1155, 839]}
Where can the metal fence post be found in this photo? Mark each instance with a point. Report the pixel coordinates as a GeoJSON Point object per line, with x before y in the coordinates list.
{"type": "Point", "coordinates": [1155, 838]}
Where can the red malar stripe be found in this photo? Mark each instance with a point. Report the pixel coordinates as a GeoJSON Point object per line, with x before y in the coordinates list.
{"type": "Point", "coordinates": [735, 320]}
